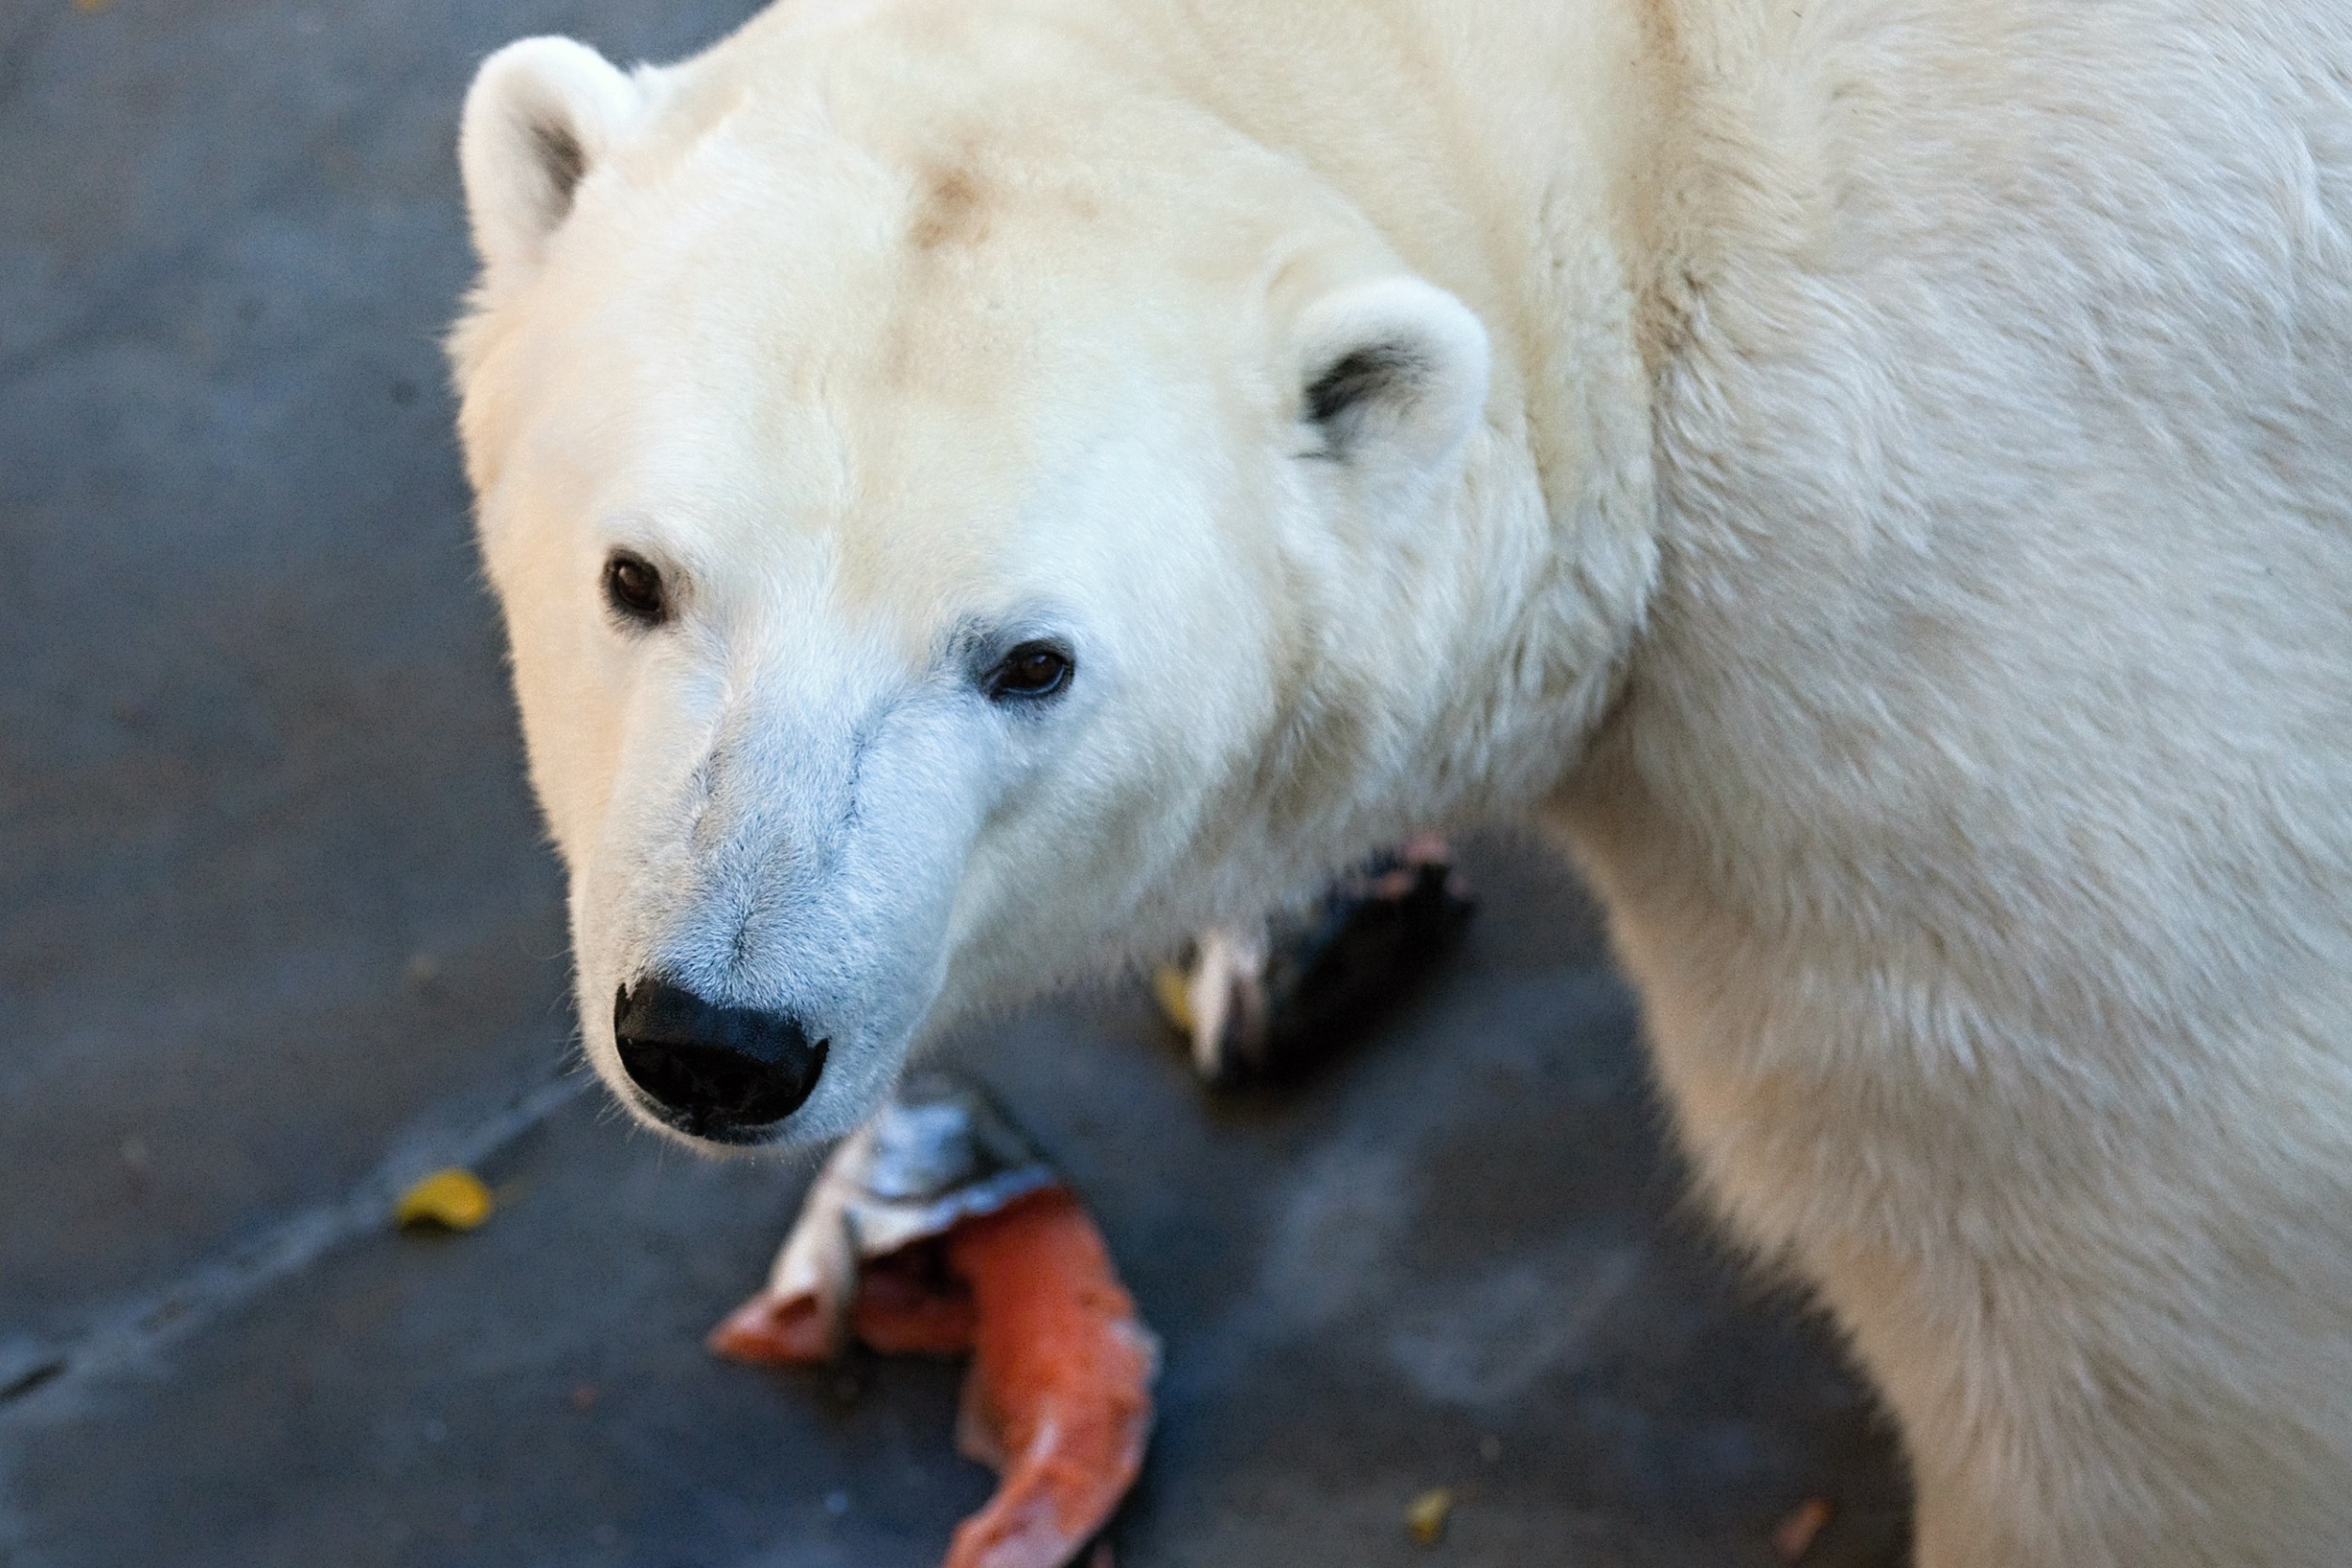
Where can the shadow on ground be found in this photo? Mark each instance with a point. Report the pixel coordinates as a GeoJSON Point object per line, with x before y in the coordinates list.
{"type": "Point", "coordinates": [278, 933]}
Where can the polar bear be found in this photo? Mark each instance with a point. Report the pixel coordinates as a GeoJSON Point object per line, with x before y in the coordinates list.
{"type": "Point", "coordinates": [979, 488]}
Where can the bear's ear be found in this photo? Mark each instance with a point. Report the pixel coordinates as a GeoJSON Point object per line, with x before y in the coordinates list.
{"type": "Point", "coordinates": [1392, 376]}
{"type": "Point", "coordinates": [540, 114]}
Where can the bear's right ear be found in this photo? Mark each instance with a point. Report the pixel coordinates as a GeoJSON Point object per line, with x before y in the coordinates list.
{"type": "Point", "coordinates": [1394, 378]}
{"type": "Point", "coordinates": [539, 115]}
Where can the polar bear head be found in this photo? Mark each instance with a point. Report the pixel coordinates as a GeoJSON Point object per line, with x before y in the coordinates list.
{"type": "Point", "coordinates": [961, 516]}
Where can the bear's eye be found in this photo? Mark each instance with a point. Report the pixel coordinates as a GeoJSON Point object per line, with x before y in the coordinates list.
{"type": "Point", "coordinates": [632, 586]}
{"type": "Point", "coordinates": [1031, 671]}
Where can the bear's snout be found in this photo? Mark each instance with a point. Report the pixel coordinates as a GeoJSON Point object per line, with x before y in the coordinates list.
{"type": "Point", "coordinates": [723, 1073]}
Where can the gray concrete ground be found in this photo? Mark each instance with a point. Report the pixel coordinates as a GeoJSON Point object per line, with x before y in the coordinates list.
{"type": "Point", "coordinates": [277, 932]}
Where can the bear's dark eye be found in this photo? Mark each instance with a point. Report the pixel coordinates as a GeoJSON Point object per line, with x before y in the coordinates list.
{"type": "Point", "coordinates": [1031, 671]}
{"type": "Point", "coordinates": [632, 585]}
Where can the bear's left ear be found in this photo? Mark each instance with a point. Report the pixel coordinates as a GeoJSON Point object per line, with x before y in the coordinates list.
{"type": "Point", "coordinates": [541, 113]}
{"type": "Point", "coordinates": [1392, 376]}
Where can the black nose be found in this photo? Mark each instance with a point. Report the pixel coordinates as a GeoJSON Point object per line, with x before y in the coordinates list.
{"type": "Point", "coordinates": [720, 1072]}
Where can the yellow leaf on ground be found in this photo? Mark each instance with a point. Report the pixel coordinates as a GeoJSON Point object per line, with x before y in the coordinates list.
{"type": "Point", "coordinates": [452, 1199]}
{"type": "Point", "coordinates": [1168, 989]}
{"type": "Point", "coordinates": [1425, 1520]}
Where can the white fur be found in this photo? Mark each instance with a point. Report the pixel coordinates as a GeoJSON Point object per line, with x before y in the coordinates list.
{"type": "Point", "coordinates": [1880, 486]}
{"type": "Point", "coordinates": [530, 96]}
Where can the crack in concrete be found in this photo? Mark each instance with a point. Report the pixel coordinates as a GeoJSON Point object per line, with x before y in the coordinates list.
{"type": "Point", "coordinates": [45, 1383]}
{"type": "Point", "coordinates": [41, 1382]}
